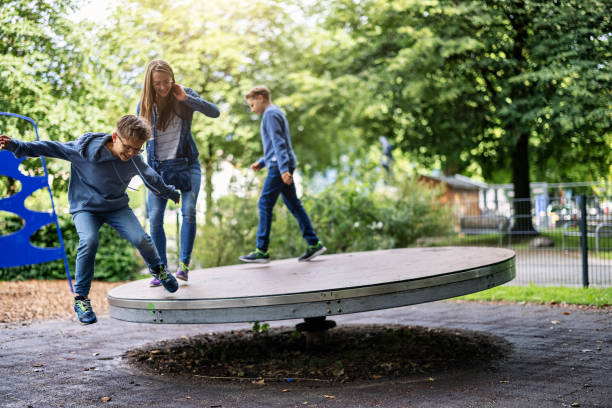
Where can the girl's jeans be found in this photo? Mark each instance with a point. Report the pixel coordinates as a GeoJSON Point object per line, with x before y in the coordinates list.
{"type": "Point", "coordinates": [157, 207]}
{"type": "Point", "coordinates": [125, 223]}
{"type": "Point", "coordinates": [273, 186]}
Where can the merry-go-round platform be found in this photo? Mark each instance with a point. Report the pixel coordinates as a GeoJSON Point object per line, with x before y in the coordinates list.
{"type": "Point", "coordinates": [328, 285]}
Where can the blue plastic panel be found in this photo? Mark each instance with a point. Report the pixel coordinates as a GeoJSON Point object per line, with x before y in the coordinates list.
{"type": "Point", "coordinates": [16, 248]}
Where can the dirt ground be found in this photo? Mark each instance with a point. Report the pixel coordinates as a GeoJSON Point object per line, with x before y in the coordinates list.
{"type": "Point", "coordinates": [31, 300]}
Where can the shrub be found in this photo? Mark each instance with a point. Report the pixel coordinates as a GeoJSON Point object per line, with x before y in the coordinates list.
{"type": "Point", "coordinates": [347, 217]}
{"type": "Point", "coordinates": [116, 259]}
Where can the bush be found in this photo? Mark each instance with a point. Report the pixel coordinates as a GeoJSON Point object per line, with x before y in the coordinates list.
{"type": "Point", "coordinates": [116, 259]}
{"type": "Point", "coordinates": [348, 218]}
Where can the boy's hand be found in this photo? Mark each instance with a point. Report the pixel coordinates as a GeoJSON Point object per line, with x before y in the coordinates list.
{"type": "Point", "coordinates": [256, 166]}
{"type": "Point", "coordinates": [287, 178]}
{"type": "Point", "coordinates": [175, 196]}
{"type": "Point", "coordinates": [4, 140]}
{"type": "Point", "coordinates": [179, 92]}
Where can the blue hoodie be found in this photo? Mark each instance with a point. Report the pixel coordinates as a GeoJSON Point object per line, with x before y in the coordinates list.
{"type": "Point", "coordinates": [276, 141]}
{"type": "Point", "coordinates": [98, 179]}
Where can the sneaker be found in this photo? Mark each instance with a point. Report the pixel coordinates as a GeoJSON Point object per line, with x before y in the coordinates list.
{"type": "Point", "coordinates": [166, 279]}
{"type": "Point", "coordinates": [257, 256]}
{"type": "Point", "coordinates": [183, 272]}
{"type": "Point", "coordinates": [312, 251]}
{"type": "Point", "coordinates": [154, 283]}
{"type": "Point", "coordinates": [84, 312]}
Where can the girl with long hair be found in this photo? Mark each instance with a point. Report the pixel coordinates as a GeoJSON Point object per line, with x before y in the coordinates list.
{"type": "Point", "coordinates": [172, 152]}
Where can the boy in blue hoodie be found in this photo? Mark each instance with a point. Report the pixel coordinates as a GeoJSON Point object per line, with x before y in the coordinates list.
{"type": "Point", "coordinates": [281, 162]}
{"type": "Point", "coordinates": [102, 166]}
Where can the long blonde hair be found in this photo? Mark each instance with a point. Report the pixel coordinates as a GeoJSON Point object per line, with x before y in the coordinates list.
{"type": "Point", "coordinates": [147, 99]}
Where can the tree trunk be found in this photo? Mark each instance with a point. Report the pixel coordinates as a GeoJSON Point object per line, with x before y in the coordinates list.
{"type": "Point", "coordinates": [208, 185]}
{"type": "Point", "coordinates": [523, 225]}
{"type": "Point", "coordinates": [522, 193]}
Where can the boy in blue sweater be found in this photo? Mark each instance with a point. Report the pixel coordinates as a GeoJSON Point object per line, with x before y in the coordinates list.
{"type": "Point", "coordinates": [102, 166]}
{"type": "Point", "coordinates": [281, 162]}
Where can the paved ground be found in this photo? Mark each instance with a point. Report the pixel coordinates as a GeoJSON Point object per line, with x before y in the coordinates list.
{"type": "Point", "coordinates": [558, 360]}
{"type": "Point", "coordinates": [563, 268]}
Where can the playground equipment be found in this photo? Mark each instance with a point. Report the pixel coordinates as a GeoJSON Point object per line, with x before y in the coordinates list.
{"type": "Point", "coordinates": [329, 285]}
{"type": "Point", "coordinates": [16, 248]}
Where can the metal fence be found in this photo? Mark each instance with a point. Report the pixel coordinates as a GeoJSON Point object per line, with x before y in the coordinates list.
{"type": "Point", "coordinates": [558, 241]}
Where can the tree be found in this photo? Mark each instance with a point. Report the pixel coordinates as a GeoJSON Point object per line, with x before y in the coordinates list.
{"type": "Point", "coordinates": [46, 74]}
{"type": "Point", "coordinates": [505, 85]}
{"type": "Point", "coordinates": [220, 52]}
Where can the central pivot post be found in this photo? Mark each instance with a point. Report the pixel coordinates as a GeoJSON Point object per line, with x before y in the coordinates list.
{"type": "Point", "coordinates": [315, 329]}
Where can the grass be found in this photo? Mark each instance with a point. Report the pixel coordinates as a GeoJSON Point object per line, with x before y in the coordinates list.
{"type": "Point", "coordinates": [598, 297]}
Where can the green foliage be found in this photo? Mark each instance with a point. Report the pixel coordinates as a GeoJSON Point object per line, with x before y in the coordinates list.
{"type": "Point", "coordinates": [116, 259]}
{"type": "Point", "coordinates": [46, 73]}
{"type": "Point", "coordinates": [259, 328]}
{"type": "Point", "coordinates": [347, 217]}
{"type": "Point", "coordinates": [463, 82]}
{"type": "Point", "coordinates": [546, 294]}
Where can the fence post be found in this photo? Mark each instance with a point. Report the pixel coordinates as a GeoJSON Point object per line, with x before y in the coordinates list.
{"type": "Point", "coordinates": [583, 241]}
{"type": "Point", "coordinates": [178, 239]}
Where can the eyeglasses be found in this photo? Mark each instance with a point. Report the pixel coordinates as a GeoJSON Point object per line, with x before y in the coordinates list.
{"type": "Point", "coordinates": [129, 148]}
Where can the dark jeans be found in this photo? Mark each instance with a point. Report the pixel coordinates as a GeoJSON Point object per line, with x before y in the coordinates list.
{"type": "Point", "coordinates": [157, 209]}
{"type": "Point", "coordinates": [273, 186]}
{"type": "Point", "coordinates": [126, 224]}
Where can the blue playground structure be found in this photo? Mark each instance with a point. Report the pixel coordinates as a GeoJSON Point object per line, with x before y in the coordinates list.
{"type": "Point", "coordinates": [15, 248]}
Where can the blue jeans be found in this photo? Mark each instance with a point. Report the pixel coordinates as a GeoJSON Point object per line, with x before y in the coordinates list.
{"type": "Point", "coordinates": [157, 208]}
{"type": "Point", "coordinates": [273, 186]}
{"type": "Point", "coordinates": [125, 223]}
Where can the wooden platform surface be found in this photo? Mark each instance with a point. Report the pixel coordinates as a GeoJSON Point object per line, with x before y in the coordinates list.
{"type": "Point", "coordinates": [338, 277]}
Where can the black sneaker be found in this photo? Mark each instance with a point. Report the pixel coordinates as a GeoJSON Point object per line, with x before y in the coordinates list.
{"type": "Point", "coordinates": [257, 256]}
{"type": "Point", "coordinates": [312, 252]}
{"type": "Point", "coordinates": [84, 312]}
{"type": "Point", "coordinates": [166, 279]}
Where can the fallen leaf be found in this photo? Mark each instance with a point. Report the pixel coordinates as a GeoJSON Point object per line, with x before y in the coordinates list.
{"type": "Point", "coordinates": [566, 313]}
{"type": "Point", "coordinates": [504, 381]}
{"type": "Point", "coordinates": [329, 396]}
{"type": "Point", "coordinates": [105, 399]}
{"type": "Point", "coordinates": [285, 390]}
{"type": "Point", "coordinates": [575, 404]}
{"type": "Point", "coordinates": [555, 321]}
{"type": "Point", "coordinates": [259, 382]}
{"type": "Point", "coordinates": [38, 365]}
{"type": "Point", "coordinates": [431, 379]}
{"type": "Point", "coordinates": [188, 397]}
{"type": "Point", "coordinates": [586, 350]}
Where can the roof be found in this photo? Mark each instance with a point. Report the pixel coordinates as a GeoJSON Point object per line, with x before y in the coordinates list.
{"type": "Point", "coordinates": [456, 181]}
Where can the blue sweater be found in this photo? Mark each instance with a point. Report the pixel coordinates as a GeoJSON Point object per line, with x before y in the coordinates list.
{"type": "Point", "coordinates": [276, 140]}
{"type": "Point", "coordinates": [98, 179]}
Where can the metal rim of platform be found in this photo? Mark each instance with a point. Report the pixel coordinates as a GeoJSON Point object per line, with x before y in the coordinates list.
{"type": "Point", "coordinates": [317, 303]}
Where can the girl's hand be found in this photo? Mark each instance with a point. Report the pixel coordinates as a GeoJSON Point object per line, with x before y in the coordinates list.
{"type": "Point", "coordinates": [179, 92]}
{"type": "Point", "coordinates": [4, 140]}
